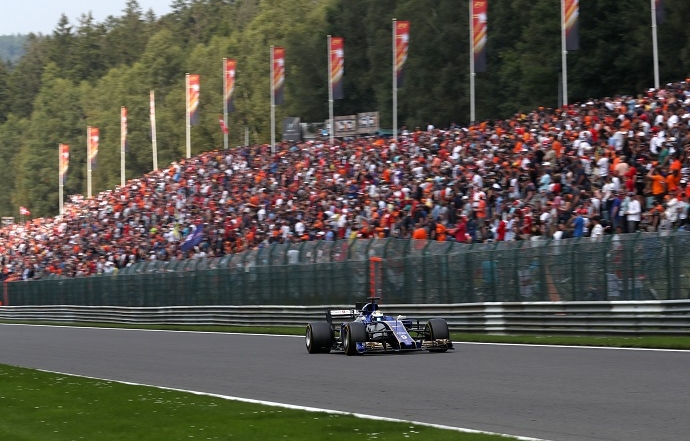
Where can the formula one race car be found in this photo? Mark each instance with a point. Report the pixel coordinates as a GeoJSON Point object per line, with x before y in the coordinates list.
{"type": "Point", "coordinates": [367, 329]}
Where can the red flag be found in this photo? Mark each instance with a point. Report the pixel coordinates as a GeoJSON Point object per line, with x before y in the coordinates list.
{"type": "Point", "coordinates": [64, 162]}
{"type": "Point", "coordinates": [278, 75]}
{"type": "Point", "coordinates": [402, 44]}
{"type": "Point", "coordinates": [223, 127]}
{"type": "Point", "coordinates": [571, 10]}
{"type": "Point", "coordinates": [92, 147]}
{"type": "Point", "coordinates": [230, 75]}
{"type": "Point", "coordinates": [24, 212]}
{"type": "Point", "coordinates": [337, 55]}
{"type": "Point", "coordinates": [123, 128]}
{"type": "Point", "coordinates": [152, 113]}
{"type": "Point", "coordinates": [660, 11]}
{"type": "Point", "coordinates": [479, 12]}
{"type": "Point", "coordinates": [193, 99]}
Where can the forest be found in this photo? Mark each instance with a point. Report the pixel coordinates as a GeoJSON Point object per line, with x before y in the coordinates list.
{"type": "Point", "coordinates": [82, 73]}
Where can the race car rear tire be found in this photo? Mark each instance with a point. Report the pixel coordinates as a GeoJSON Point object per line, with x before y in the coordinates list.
{"type": "Point", "coordinates": [437, 329]}
{"type": "Point", "coordinates": [318, 338]}
{"type": "Point", "coordinates": [355, 332]}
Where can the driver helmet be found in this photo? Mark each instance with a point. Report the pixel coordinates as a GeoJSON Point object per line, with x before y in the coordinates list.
{"type": "Point", "coordinates": [376, 316]}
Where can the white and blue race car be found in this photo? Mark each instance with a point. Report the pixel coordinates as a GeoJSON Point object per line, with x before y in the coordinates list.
{"type": "Point", "coordinates": [367, 329]}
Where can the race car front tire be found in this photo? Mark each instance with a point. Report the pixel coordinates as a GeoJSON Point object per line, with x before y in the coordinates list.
{"type": "Point", "coordinates": [437, 329]}
{"type": "Point", "coordinates": [318, 338]}
{"type": "Point", "coordinates": [355, 332]}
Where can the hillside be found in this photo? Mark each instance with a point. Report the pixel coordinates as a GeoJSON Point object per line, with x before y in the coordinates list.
{"type": "Point", "coordinates": [83, 72]}
{"type": "Point", "coordinates": [11, 47]}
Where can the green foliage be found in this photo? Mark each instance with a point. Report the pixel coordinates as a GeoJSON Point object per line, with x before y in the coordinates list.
{"type": "Point", "coordinates": [83, 72]}
{"type": "Point", "coordinates": [40, 405]}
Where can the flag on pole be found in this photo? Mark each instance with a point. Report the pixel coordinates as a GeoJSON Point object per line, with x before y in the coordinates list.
{"type": "Point", "coordinates": [337, 67]}
{"type": "Point", "coordinates": [193, 97]}
{"type": "Point", "coordinates": [660, 11]}
{"type": "Point", "coordinates": [64, 162]}
{"type": "Point", "coordinates": [479, 14]}
{"type": "Point", "coordinates": [123, 128]}
{"type": "Point", "coordinates": [152, 113]}
{"type": "Point", "coordinates": [278, 75]}
{"type": "Point", "coordinates": [92, 147]}
{"type": "Point", "coordinates": [24, 212]}
{"type": "Point", "coordinates": [402, 43]}
{"type": "Point", "coordinates": [230, 74]}
{"type": "Point", "coordinates": [570, 21]}
{"type": "Point", "coordinates": [193, 239]}
{"type": "Point", "coordinates": [223, 127]}
{"type": "Point", "coordinates": [152, 117]}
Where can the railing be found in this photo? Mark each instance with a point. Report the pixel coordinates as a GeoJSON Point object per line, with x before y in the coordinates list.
{"type": "Point", "coordinates": [645, 266]}
{"type": "Point", "coordinates": [633, 318]}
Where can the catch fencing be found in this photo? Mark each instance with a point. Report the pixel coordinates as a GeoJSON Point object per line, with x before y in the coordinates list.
{"type": "Point", "coordinates": [623, 318]}
{"type": "Point", "coordinates": [644, 266]}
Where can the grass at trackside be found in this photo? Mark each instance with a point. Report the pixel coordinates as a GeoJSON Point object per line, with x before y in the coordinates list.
{"type": "Point", "coordinates": [658, 342]}
{"type": "Point", "coordinates": [38, 406]}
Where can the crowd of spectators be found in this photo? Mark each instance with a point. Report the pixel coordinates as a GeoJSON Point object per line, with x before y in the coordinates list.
{"type": "Point", "coordinates": [614, 165]}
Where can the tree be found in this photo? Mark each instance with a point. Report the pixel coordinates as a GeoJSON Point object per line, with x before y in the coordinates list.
{"type": "Point", "coordinates": [128, 35]}
{"type": "Point", "coordinates": [57, 118]}
{"type": "Point", "coordinates": [4, 92]}
{"type": "Point", "coordinates": [89, 62]}
{"type": "Point", "coordinates": [60, 45]}
{"type": "Point", "coordinates": [25, 80]}
{"type": "Point", "coordinates": [12, 140]}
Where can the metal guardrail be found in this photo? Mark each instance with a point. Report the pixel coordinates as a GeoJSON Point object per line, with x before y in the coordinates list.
{"type": "Point", "coordinates": [625, 317]}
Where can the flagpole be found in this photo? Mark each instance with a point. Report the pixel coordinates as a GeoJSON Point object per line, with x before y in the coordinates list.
{"type": "Point", "coordinates": [88, 162]}
{"type": "Point", "coordinates": [154, 143]}
{"type": "Point", "coordinates": [330, 93]}
{"type": "Point", "coordinates": [60, 184]}
{"type": "Point", "coordinates": [472, 68]}
{"type": "Point", "coordinates": [564, 55]}
{"type": "Point", "coordinates": [655, 46]}
{"type": "Point", "coordinates": [225, 103]}
{"type": "Point", "coordinates": [273, 108]}
{"type": "Point", "coordinates": [123, 119]}
{"type": "Point", "coordinates": [188, 119]}
{"type": "Point", "coordinates": [395, 84]}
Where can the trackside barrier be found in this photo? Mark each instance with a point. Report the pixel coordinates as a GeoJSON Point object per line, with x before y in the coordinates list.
{"type": "Point", "coordinates": [627, 267]}
{"type": "Point", "coordinates": [625, 317]}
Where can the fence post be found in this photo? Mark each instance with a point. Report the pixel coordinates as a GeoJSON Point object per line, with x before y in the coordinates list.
{"type": "Point", "coordinates": [517, 293]}
{"type": "Point", "coordinates": [573, 271]}
{"type": "Point", "coordinates": [546, 281]}
{"type": "Point", "coordinates": [469, 265]}
{"type": "Point", "coordinates": [445, 270]}
{"type": "Point", "coordinates": [375, 278]}
{"type": "Point", "coordinates": [674, 276]}
{"type": "Point", "coordinates": [384, 252]}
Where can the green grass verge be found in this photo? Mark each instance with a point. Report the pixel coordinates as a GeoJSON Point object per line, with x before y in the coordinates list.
{"type": "Point", "coordinates": [39, 406]}
{"type": "Point", "coordinates": [655, 342]}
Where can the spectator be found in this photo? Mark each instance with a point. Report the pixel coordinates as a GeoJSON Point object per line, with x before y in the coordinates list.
{"type": "Point", "coordinates": [546, 173]}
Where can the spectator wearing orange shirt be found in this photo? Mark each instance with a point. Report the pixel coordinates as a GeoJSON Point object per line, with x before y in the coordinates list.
{"type": "Point", "coordinates": [658, 185]}
{"type": "Point", "coordinates": [420, 232]}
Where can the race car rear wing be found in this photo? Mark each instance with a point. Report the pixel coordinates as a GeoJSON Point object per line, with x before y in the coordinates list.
{"type": "Point", "coordinates": [340, 314]}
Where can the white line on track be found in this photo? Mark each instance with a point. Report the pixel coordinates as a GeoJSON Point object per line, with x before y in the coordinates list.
{"type": "Point", "coordinates": [529, 345]}
{"type": "Point", "coordinates": [304, 408]}
{"type": "Point", "coordinates": [153, 330]}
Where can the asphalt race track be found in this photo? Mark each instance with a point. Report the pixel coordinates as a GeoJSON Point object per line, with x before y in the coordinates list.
{"type": "Point", "coordinates": [559, 394]}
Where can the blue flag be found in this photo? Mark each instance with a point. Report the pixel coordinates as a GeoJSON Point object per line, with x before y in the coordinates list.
{"type": "Point", "coordinates": [193, 239]}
